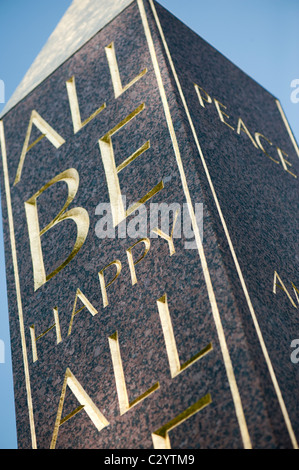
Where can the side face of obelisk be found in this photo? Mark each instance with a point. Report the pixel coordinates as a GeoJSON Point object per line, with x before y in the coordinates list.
{"type": "Point", "coordinates": [247, 161]}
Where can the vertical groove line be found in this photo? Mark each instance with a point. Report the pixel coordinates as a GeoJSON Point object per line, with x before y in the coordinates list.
{"type": "Point", "coordinates": [251, 309]}
{"type": "Point", "coordinates": [224, 349]}
{"type": "Point", "coordinates": [17, 284]}
{"type": "Point", "coordinates": [285, 121]}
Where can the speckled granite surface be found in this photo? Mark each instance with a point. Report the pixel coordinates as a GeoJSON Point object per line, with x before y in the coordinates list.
{"type": "Point", "coordinates": [258, 199]}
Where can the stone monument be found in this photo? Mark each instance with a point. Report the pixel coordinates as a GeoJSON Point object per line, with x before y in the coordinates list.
{"type": "Point", "coordinates": [149, 192]}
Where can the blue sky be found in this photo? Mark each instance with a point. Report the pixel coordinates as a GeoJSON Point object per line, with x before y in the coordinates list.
{"type": "Point", "coordinates": [260, 36]}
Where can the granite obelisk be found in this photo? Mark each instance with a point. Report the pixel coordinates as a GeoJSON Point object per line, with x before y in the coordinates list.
{"type": "Point", "coordinates": [150, 190]}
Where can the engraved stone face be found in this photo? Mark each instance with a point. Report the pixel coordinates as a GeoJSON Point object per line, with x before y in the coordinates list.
{"type": "Point", "coordinates": [168, 338]}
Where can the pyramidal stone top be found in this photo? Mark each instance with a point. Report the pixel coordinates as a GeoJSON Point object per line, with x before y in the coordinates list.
{"type": "Point", "coordinates": [82, 20]}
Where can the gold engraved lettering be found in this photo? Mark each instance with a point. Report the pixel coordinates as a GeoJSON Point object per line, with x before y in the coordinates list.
{"type": "Point", "coordinates": [77, 214]}
{"type": "Point", "coordinates": [221, 113]}
{"type": "Point", "coordinates": [258, 137]}
{"type": "Point", "coordinates": [284, 162]}
{"type": "Point", "coordinates": [132, 265]}
{"type": "Point", "coordinates": [161, 438]}
{"type": "Point", "coordinates": [124, 404]}
{"type": "Point", "coordinates": [243, 128]}
{"type": "Point", "coordinates": [46, 130]}
{"type": "Point", "coordinates": [85, 401]}
{"type": "Point", "coordinates": [283, 287]}
{"type": "Point", "coordinates": [111, 171]}
{"type": "Point", "coordinates": [173, 358]}
{"type": "Point", "coordinates": [117, 263]}
{"type": "Point", "coordinates": [34, 339]}
{"type": "Point", "coordinates": [285, 121]}
{"type": "Point", "coordinates": [74, 106]}
{"type": "Point", "coordinates": [86, 303]}
{"type": "Point", "coordinates": [296, 291]}
{"type": "Point", "coordinates": [114, 72]}
{"type": "Point", "coordinates": [201, 98]}
{"type": "Point", "coordinates": [166, 237]}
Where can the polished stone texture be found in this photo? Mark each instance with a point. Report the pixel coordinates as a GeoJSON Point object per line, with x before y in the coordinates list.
{"type": "Point", "coordinates": [258, 201]}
